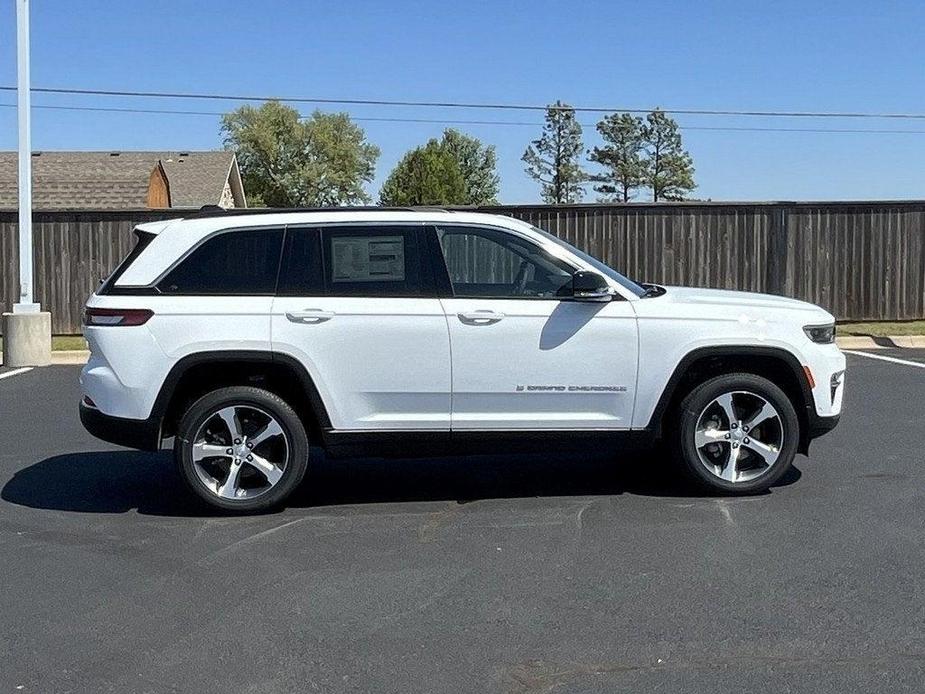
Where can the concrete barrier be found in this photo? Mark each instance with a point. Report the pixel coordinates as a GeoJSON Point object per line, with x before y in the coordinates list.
{"type": "Point", "coordinates": [27, 339]}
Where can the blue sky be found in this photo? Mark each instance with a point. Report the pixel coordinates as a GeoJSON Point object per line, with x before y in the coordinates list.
{"type": "Point", "coordinates": [821, 56]}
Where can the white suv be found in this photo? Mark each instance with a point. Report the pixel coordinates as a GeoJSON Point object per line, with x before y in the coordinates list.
{"type": "Point", "coordinates": [246, 337]}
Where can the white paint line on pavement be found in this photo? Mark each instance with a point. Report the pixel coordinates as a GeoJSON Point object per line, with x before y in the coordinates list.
{"type": "Point", "coordinates": [15, 372]}
{"type": "Point", "coordinates": [883, 358]}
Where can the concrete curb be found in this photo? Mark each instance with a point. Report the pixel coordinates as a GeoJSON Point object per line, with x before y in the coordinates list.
{"type": "Point", "coordinates": [868, 342]}
{"type": "Point", "coordinates": [65, 356]}
{"type": "Point", "coordinates": [70, 356]}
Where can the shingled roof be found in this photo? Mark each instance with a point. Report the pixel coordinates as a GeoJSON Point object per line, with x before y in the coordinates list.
{"type": "Point", "coordinates": [121, 180]}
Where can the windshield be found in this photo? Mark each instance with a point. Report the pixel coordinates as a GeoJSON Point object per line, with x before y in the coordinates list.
{"type": "Point", "coordinates": [624, 282]}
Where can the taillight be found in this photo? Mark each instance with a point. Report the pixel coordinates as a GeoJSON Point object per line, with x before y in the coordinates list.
{"type": "Point", "coordinates": [99, 317]}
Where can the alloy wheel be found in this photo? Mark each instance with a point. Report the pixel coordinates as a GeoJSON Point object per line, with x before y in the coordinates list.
{"type": "Point", "coordinates": [240, 452]}
{"type": "Point", "coordinates": [739, 436]}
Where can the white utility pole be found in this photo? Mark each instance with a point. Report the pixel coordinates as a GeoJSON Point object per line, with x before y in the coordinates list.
{"type": "Point", "coordinates": [26, 303]}
{"type": "Point", "coordinates": [27, 330]}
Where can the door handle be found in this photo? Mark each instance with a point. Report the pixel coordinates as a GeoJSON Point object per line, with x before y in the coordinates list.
{"type": "Point", "coordinates": [480, 317]}
{"type": "Point", "coordinates": [310, 315]}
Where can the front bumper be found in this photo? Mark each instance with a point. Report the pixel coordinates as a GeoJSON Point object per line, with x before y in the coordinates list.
{"type": "Point", "coordinates": [822, 425]}
{"type": "Point", "coordinates": [143, 434]}
{"type": "Point", "coordinates": [827, 365]}
{"type": "Point", "coordinates": [816, 426]}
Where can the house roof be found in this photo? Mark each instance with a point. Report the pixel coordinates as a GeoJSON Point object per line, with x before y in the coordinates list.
{"type": "Point", "coordinates": [118, 180]}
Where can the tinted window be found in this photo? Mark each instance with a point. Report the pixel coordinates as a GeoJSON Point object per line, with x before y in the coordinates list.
{"type": "Point", "coordinates": [301, 272]}
{"type": "Point", "coordinates": [235, 262]}
{"type": "Point", "coordinates": [605, 270]}
{"type": "Point", "coordinates": [486, 263]}
{"type": "Point", "coordinates": [373, 261]}
{"type": "Point", "coordinates": [143, 239]}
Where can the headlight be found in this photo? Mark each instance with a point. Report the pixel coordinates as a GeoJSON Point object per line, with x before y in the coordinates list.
{"type": "Point", "coordinates": [822, 334]}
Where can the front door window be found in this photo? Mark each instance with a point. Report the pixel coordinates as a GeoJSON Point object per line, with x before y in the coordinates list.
{"type": "Point", "coordinates": [488, 264]}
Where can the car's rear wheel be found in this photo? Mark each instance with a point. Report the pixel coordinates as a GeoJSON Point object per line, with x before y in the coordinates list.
{"type": "Point", "coordinates": [738, 434]}
{"type": "Point", "coordinates": [241, 449]}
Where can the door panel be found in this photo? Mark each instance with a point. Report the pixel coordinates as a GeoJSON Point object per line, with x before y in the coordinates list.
{"type": "Point", "coordinates": [542, 364]}
{"type": "Point", "coordinates": [356, 305]}
{"type": "Point", "coordinates": [378, 363]}
{"type": "Point", "coordinates": [526, 356]}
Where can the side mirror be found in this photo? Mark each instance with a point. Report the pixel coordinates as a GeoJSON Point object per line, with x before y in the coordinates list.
{"type": "Point", "coordinates": [590, 286]}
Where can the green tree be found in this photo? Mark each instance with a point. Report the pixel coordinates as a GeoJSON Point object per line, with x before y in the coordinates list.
{"type": "Point", "coordinates": [554, 159]}
{"type": "Point", "coordinates": [476, 163]}
{"type": "Point", "coordinates": [428, 175]}
{"type": "Point", "coordinates": [621, 157]}
{"type": "Point", "coordinates": [670, 168]}
{"type": "Point", "coordinates": [321, 161]}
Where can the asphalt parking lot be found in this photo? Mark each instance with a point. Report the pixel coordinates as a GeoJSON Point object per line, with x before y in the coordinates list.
{"type": "Point", "coordinates": [490, 574]}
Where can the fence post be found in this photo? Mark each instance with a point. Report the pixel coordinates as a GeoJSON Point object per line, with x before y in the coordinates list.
{"type": "Point", "coordinates": [778, 236]}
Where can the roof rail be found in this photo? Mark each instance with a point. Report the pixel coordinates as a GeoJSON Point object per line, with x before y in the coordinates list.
{"type": "Point", "coordinates": [217, 211]}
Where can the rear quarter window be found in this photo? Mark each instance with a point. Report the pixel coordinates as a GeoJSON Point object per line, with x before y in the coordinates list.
{"type": "Point", "coordinates": [143, 240]}
{"type": "Point", "coordinates": [232, 263]}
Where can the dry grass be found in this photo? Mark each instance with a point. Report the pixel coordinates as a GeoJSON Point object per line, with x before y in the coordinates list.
{"type": "Point", "coordinates": [883, 329]}
{"type": "Point", "coordinates": [62, 342]}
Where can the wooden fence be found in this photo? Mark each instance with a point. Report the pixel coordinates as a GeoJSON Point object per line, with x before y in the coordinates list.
{"type": "Point", "coordinates": [860, 260]}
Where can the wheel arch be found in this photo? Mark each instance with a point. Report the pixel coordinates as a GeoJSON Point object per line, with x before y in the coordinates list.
{"type": "Point", "coordinates": [198, 373]}
{"type": "Point", "coordinates": [775, 363]}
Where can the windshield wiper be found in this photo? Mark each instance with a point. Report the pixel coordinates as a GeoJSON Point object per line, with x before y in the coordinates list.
{"type": "Point", "coordinates": [652, 290]}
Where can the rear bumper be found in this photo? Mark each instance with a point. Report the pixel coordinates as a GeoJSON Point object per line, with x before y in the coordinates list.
{"type": "Point", "coordinates": [143, 434]}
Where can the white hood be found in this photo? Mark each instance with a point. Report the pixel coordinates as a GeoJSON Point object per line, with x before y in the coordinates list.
{"type": "Point", "coordinates": [732, 299]}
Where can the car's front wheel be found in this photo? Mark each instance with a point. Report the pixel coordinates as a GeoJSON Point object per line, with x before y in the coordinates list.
{"type": "Point", "coordinates": [241, 449]}
{"type": "Point", "coordinates": [738, 433]}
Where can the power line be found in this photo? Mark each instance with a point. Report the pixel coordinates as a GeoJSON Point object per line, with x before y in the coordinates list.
{"type": "Point", "coordinates": [467, 105]}
{"type": "Point", "coordinates": [873, 131]}
{"type": "Point", "coordinates": [441, 121]}
{"type": "Point", "coordinates": [116, 109]}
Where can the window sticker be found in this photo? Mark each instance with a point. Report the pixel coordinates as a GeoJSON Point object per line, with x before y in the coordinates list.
{"type": "Point", "coordinates": [368, 258]}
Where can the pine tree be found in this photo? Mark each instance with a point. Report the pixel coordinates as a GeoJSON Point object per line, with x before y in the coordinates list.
{"type": "Point", "coordinates": [621, 157]}
{"type": "Point", "coordinates": [554, 159]}
{"type": "Point", "coordinates": [670, 168]}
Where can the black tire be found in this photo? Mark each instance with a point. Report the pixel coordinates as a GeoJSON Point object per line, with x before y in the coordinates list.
{"type": "Point", "coordinates": [700, 398]}
{"type": "Point", "coordinates": [295, 443]}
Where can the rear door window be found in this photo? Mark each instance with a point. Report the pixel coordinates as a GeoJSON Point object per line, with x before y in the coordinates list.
{"type": "Point", "coordinates": [301, 271]}
{"type": "Point", "coordinates": [375, 261]}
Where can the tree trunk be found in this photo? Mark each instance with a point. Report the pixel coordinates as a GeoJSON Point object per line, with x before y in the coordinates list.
{"type": "Point", "coordinates": [558, 186]}
{"type": "Point", "coordinates": [655, 172]}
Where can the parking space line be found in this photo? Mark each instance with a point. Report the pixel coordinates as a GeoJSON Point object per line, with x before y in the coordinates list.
{"type": "Point", "coordinates": [882, 358]}
{"type": "Point", "coordinates": [14, 372]}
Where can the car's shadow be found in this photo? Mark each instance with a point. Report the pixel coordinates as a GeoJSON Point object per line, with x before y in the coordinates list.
{"type": "Point", "coordinates": [119, 481]}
